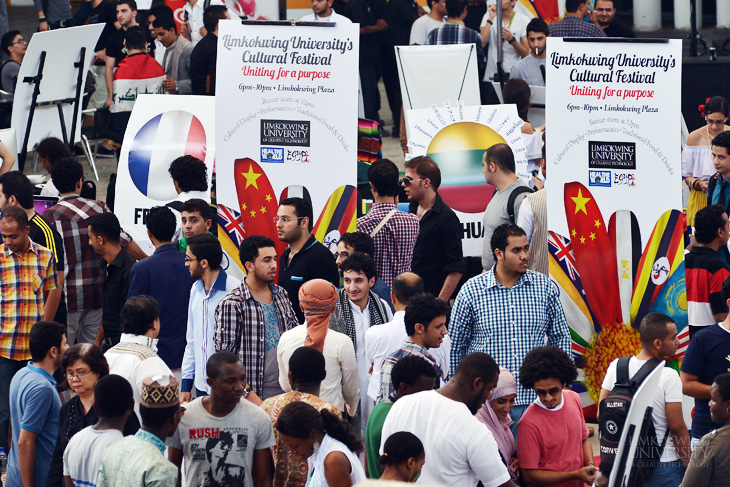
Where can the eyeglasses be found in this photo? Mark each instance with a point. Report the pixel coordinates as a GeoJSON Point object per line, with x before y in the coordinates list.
{"type": "Point", "coordinates": [344, 255]}
{"type": "Point", "coordinates": [19, 41]}
{"type": "Point", "coordinates": [286, 219]}
{"type": "Point", "coordinates": [188, 259]}
{"type": "Point", "coordinates": [407, 180]}
{"type": "Point", "coordinates": [78, 375]}
{"type": "Point", "coordinates": [714, 122]}
{"type": "Point", "coordinates": [552, 392]}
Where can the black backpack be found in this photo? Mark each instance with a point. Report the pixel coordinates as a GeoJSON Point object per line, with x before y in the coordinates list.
{"type": "Point", "coordinates": [512, 199]}
{"type": "Point", "coordinates": [612, 412]}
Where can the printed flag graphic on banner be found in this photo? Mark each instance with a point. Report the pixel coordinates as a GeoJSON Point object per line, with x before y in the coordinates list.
{"type": "Point", "coordinates": [338, 217]}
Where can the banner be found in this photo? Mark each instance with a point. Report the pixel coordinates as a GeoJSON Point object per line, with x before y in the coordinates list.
{"type": "Point", "coordinates": [455, 137]}
{"type": "Point", "coordinates": [286, 118]}
{"type": "Point", "coordinates": [161, 129]}
{"type": "Point", "coordinates": [614, 194]}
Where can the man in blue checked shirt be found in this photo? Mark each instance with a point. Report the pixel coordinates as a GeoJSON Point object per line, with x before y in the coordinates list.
{"type": "Point", "coordinates": [507, 311]}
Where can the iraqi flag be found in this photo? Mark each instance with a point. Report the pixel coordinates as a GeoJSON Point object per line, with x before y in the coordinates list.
{"type": "Point", "coordinates": [138, 74]}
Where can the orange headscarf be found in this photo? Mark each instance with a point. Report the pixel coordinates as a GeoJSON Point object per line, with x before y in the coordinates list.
{"type": "Point", "coordinates": [317, 299]}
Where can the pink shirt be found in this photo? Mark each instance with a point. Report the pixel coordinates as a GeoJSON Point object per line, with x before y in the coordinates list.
{"type": "Point", "coordinates": [553, 439]}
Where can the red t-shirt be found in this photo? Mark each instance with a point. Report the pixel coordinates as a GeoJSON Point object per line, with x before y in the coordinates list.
{"type": "Point", "coordinates": [553, 439]}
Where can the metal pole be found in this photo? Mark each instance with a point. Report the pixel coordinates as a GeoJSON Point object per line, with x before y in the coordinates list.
{"type": "Point", "coordinates": [693, 28]}
{"type": "Point", "coordinates": [500, 40]}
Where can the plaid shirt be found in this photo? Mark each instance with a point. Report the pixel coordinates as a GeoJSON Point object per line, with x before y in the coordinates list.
{"type": "Point", "coordinates": [459, 34]}
{"type": "Point", "coordinates": [394, 242]}
{"type": "Point", "coordinates": [572, 26]}
{"type": "Point", "coordinates": [507, 323]}
{"type": "Point", "coordinates": [83, 274]}
{"type": "Point", "coordinates": [240, 328]}
{"type": "Point", "coordinates": [23, 280]}
{"type": "Point", "coordinates": [408, 347]}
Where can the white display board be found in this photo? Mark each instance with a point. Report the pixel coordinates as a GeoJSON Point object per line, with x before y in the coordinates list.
{"type": "Point", "coordinates": [456, 137]}
{"type": "Point", "coordinates": [286, 115]}
{"type": "Point", "coordinates": [62, 48]}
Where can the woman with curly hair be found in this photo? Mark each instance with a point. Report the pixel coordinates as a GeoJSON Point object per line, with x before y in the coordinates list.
{"type": "Point", "coordinates": [552, 437]}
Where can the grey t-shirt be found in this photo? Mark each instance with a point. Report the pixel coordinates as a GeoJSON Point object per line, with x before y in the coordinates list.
{"type": "Point", "coordinates": [82, 456]}
{"type": "Point", "coordinates": [495, 215]}
{"type": "Point", "coordinates": [528, 69]}
{"type": "Point", "coordinates": [54, 10]}
{"type": "Point", "coordinates": [9, 76]}
{"type": "Point", "coordinates": [271, 341]}
{"type": "Point", "coordinates": [218, 452]}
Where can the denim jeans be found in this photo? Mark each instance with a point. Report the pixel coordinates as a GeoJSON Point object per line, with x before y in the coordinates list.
{"type": "Point", "coordinates": [667, 474]}
{"type": "Point", "coordinates": [516, 413]}
{"type": "Point", "coordinates": [8, 369]}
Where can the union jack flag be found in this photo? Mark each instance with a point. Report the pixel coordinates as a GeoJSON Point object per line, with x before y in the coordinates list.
{"type": "Point", "coordinates": [562, 250]}
{"type": "Point", "coordinates": [231, 221]}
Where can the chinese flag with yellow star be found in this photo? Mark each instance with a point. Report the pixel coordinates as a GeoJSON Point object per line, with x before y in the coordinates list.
{"type": "Point", "coordinates": [256, 201]}
{"type": "Point", "coordinates": [594, 255]}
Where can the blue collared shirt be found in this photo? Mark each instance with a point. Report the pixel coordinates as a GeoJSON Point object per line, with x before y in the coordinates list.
{"type": "Point", "coordinates": [507, 323]}
{"type": "Point", "coordinates": [201, 329]}
{"type": "Point", "coordinates": [718, 189]}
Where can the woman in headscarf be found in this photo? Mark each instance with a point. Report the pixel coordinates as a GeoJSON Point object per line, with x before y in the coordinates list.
{"type": "Point", "coordinates": [495, 415]}
{"type": "Point", "coordinates": [340, 387]}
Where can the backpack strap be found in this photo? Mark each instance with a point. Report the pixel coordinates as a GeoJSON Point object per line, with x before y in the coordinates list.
{"type": "Point", "coordinates": [513, 197]}
{"type": "Point", "coordinates": [645, 370]}
{"type": "Point", "coordinates": [711, 187]}
{"type": "Point", "coordinates": [622, 370]}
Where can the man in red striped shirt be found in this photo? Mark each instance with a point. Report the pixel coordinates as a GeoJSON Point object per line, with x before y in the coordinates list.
{"type": "Point", "coordinates": [705, 270]}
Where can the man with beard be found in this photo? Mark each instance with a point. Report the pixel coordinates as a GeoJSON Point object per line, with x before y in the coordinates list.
{"type": "Point", "coordinates": [251, 318]}
{"type": "Point", "coordinates": [507, 311]}
{"type": "Point", "coordinates": [203, 257]}
{"type": "Point", "coordinates": [305, 258]}
{"type": "Point", "coordinates": [469, 456]}
{"type": "Point", "coordinates": [603, 15]}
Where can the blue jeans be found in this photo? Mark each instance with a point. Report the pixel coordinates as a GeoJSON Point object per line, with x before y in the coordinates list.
{"type": "Point", "coordinates": [516, 413]}
{"type": "Point", "coordinates": [667, 474]}
{"type": "Point", "coordinates": [8, 369]}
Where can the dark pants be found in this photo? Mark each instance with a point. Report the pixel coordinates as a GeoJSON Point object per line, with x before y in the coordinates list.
{"type": "Point", "coordinates": [8, 369]}
{"type": "Point", "coordinates": [389, 71]}
{"type": "Point", "coordinates": [369, 82]}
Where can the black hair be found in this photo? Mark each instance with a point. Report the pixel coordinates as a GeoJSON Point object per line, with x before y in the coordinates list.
{"type": "Point", "coordinates": [17, 184]}
{"type": "Point", "coordinates": [405, 286]}
{"type": "Point", "coordinates": [307, 366]}
{"type": "Point", "coordinates": [716, 104]}
{"type": "Point", "coordinates": [537, 25]}
{"type": "Point", "coordinates": [161, 223]}
{"type": "Point", "coordinates": [707, 222]}
{"type": "Point", "coordinates": [298, 419]}
{"type": "Point", "coordinates": [132, 4]}
{"type": "Point", "coordinates": [106, 225]}
{"type": "Point", "coordinates": [722, 140]}
{"type": "Point", "coordinates": [360, 242]}
{"type": "Point", "coordinates": [500, 237]}
{"type": "Point", "coordinates": [7, 40]}
{"type": "Point", "coordinates": [409, 368]}
{"type": "Point", "coordinates": [165, 22]}
{"type": "Point", "coordinates": [89, 354]}
{"type": "Point", "coordinates": [196, 205]}
{"type": "Point", "coordinates": [138, 314]}
{"type": "Point", "coordinates": [17, 215]}
{"type": "Point", "coordinates": [216, 363]}
{"type": "Point", "coordinates": [502, 156]}
{"type": "Point", "coordinates": [190, 172]}
{"type": "Point", "coordinates": [653, 326]}
{"type": "Point", "coordinates": [476, 365]}
{"type": "Point", "coordinates": [112, 396]}
{"type": "Point", "coordinates": [571, 6]}
{"type": "Point", "coordinates": [160, 10]}
{"type": "Point", "coordinates": [723, 385]}
{"type": "Point", "coordinates": [454, 8]}
{"type": "Point", "coordinates": [212, 15]}
{"type": "Point", "coordinates": [45, 335]}
{"type": "Point", "coordinates": [65, 173]}
{"type": "Point", "coordinates": [223, 437]}
{"type": "Point", "coordinates": [361, 264]}
{"type": "Point", "coordinates": [155, 418]}
{"type": "Point", "coordinates": [424, 308]}
{"type": "Point", "coordinates": [135, 38]}
{"type": "Point", "coordinates": [516, 91]}
{"type": "Point", "coordinates": [548, 362]}
{"type": "Point", "coordinates": [52, 149]}
{"type": "Point", "coordinates": [249, 249]}
{"type": "Point", "coordinates": [206, 247]}
{"type": "Point", "coordinates": [400, 447]}
{"type": "Point", "coordinates": [424, 166]}
{"type": "Point", "coordinates": [383, 174]}
{"type": "Point", "coordinates": [302, 209]}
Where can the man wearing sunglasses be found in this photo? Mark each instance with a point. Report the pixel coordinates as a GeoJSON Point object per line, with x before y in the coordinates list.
{"type": "Point", "coordinates": [14, 46]}
{"type": "Point", "coordinates": [437, 254]}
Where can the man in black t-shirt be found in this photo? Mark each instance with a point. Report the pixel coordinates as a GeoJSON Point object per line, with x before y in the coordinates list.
{"type": "Point", "coordinates": [17, 190]}
{"type": "Point", "coordinates": [102, 12]}
{"type": "Point", "coordinates": [603, 15]}
{"type": "Point", "coordinates": [371, 23]}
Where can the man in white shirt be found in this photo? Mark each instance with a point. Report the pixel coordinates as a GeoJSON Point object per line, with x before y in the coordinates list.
{"type": "Point", "coordinates": [514, 37]}
{"type": "Point", "coordinates": [459, 449]}
{"type": "Point", "coordinates": [322, 12]}
{"type": "Point", "coordinates": [426, 23]}
{"type": "Point", "coordinates": [135, 356]}
{"type": "Point", "coordinates": [383, 340]}
{"type": "Point", "coordinates": [193, 12]}
{"type": "Point", "coordinates": [658, 334]}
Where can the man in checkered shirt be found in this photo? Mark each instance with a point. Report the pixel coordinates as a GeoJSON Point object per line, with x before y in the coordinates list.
{"type": "Point", "coordinates": [573, 24]}
{"type": "Point", "coordinates": [507, 311]}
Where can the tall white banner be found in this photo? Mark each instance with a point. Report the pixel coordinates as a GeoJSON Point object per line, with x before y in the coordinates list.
{"type": "Point", "coordinates": [286, 119]}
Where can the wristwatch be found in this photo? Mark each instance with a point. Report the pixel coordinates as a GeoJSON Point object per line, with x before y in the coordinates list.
{"type": "Point", "coordinates": [246, 391]}
{"type": "Point", "coordinates": [511, 42]}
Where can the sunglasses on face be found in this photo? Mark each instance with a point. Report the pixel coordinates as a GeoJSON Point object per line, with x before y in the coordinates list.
{"type": "Point", "coordinates": [407, 180]}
